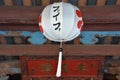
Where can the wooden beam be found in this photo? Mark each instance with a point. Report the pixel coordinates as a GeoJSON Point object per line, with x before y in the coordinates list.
{"type": "Point", "coordinates": [35, 27]}
{"type": "Point", "coordinates": [101, 27]}
{"type": "Point", "coordinates": [29, 15]}
{"type": "Point", "coordinates": [51, 50]}
{"type": "Point", "coordinates": [101, 14]}
{"type": "Point", "coordinates": [95, 18]}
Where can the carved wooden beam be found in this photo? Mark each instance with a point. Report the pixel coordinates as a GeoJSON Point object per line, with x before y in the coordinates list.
{"type": "Point", "coordinates": [52, 50]}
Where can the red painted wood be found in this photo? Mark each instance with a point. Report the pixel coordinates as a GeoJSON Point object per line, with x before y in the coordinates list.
{"type": "Point", "coordinates": [37, 67]}
{"type": "Point", "coordinates": [73, 68]}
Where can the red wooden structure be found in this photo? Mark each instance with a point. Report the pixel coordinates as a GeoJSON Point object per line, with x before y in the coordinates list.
{"type": "Point", "coordinates": [38, 62]}
{"type": "Point", "coordinates": [72, 69]}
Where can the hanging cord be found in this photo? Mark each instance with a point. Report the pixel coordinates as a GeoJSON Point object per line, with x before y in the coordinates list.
{"type": "Point", "coordinates": [59, 67]}
{"type": "Point", "coordinates": [61, 43]}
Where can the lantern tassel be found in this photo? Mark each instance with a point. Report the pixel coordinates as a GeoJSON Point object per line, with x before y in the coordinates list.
{"type": "Point", "coordinates": [59, 67]}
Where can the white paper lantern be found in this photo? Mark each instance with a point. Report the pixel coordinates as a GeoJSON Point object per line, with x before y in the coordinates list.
{"type": "Point", "coordinates": [60, 22]}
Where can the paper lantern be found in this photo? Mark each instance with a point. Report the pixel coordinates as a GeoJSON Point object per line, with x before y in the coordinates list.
{"type": "Point", "coordinates": [60, 22]}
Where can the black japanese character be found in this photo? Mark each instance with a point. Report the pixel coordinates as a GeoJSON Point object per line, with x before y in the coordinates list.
{"type": "Point", "coordinates": [58, 26]}
{"type": "Point", "coordinates": [56, 16]}
{"type": "Point", "coordinates": [56, 8]}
